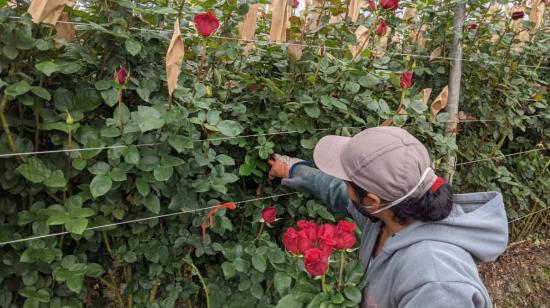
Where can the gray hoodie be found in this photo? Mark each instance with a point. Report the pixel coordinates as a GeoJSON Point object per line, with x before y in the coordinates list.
{"type": "Point", "coordinates": [426, 264]}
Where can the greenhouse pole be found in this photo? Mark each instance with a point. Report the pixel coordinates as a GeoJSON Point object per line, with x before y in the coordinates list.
{"type": "Point", "coordinates": [454, 83]}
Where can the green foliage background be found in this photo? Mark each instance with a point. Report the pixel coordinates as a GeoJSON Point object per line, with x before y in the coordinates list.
{"type": "Point", "coordinates": [244, 92]}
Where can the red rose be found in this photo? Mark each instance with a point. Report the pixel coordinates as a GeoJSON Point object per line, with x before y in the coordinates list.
{"type": "Point", "coordinates": [372, 5]}
{"type": "Point", "coordinates": [345, 226]}
{"type": "Point", "coordinates": [344, 238]}
{"type": "Point", "coordinates": [325, 234]}
{"type": "Point", "coordinates": [306, 240]}
{"type": "Point", "coordinates": [472, 26]}
{"type": "Point", "coordinates": [406, 79]}
{"type": "Point", "coordinates": [382, 28]}
{"type": "Point", "coordinates": [290, 240]}
{"type": "Point", "coordinates": [517, 15]}
{"type": "Point", "coordinates": [295, 3]}
{"type": "Point", "coordinates": [269, 215]}
{"type": "Point", "coordinates": [206, 23]}
{"type": "Point", "coordinates": [315, 262]}
{"type": "Point", "coordinates": [309, 227]}
{"type": "Point", "coordinates": [389, 4]}
{"type": "Point", "coordinates": [121, 77]}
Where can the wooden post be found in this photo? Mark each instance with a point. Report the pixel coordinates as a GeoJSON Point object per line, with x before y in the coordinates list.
{"type": "Point", "coordinates": [454, 83]}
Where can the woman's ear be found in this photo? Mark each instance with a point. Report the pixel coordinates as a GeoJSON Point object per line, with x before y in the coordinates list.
{"type": "Point", "coordinates": [372, 200]}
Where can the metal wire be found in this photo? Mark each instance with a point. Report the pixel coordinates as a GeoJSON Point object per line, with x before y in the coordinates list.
{"type": "Point", "coordinates": [303, 45]}
{"type": "Point", "coordinates": [140, 219]}
{"type": "Point", "coordinates": [500, 156]}
{"type": "Point", "coordinates": [122, 146]}
{"type": "Point", "coordinates": [530, 214]}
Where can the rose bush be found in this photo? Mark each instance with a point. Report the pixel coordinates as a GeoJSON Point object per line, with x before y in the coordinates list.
{"type": "Point", "coordinates": [56, 94]}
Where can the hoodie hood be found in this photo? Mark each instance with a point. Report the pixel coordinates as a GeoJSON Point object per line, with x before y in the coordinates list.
{"type": "Point", "coordinates": [477, 224]}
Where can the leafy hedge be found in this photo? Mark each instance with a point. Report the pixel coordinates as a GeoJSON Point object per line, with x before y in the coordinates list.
{"type": "Point", "coordinates": [244, 92]}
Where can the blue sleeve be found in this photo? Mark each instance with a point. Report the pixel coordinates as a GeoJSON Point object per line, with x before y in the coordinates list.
{"type": "Point", "coordinates": [328, 189]}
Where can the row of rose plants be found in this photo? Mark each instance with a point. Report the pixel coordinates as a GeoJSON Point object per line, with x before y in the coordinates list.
{"type": "Point", "coordinates": [63, 95]}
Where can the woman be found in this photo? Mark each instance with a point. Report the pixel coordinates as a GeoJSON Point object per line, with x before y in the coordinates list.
{"type": "Point", "coordinates": [420, 242]}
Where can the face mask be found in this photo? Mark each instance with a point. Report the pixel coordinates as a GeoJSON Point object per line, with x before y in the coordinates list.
{"type": "Point", "coordinates": [361, 209]}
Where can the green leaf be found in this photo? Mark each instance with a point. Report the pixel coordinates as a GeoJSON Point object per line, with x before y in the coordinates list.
{"type": "Point", "coordinates": [257, 291]}
{"type": "Point", "coordinates": [118, 175]}
{"type": "Point", "coordinates": [259, 262]}
{"type": "Point", "coordinates": [110, 97]}
{"type": "Point", "coordinates": [163, 173]}
{"type": "Point", "coordinates": [180, 143]}
{"type": "Point", "coordinates": [369, 81]}
{"type": "Point", "coordinates": [131, 155]}
{"type": "Point", "coordinates": [132, 46]}
{"type": "Point", "coordinates": [10, 51]}
{"type": "Point", "coordinates": [312, 110]}
{"type": "Point", "coordinates": [104, 84]}
{"type": "Point", "coordinates": [69, 68]}
{"type": "Point", "coordinates": [229, 128]}
{"type": "Point", "coordinates": [282, 282]}
{"type": "Point", "coordinates": [225, 160]}
{"type": "Point", "coordinates": [353, 294]}
{"type": "Point", "coordinates": [18, 88]}
{"type": "Point", "coordinates": [149, 118]}
{"type": "Point", "coordinates": [56, 180]}
{"type": "Point", "coordinates": [288, 301]}
{"type": "Point", "coordinates": [76, 225]}
{"type": "Point", "coordinates": [58, 219]}
{"type": "Point", "coordinates": [142, 187]}
{"type": "Point", "coordinates": [41, 92]}
{"type": "Point", "coordinates": [152, 203]}
{"type": "Point", "coordinates": [100, 185]}
{"type": "Point", "coordinates": [228, 270]}
{"type": "Point", "coordinates": [82, 212]}
{"type": "Point", "coordinates": [94, 270]}
{"type": "Point", "coordinates": [34, 170]}
{"type": "Point", "coordinates": [280, 94]}
{"type": "Point", "coordinates": [47, 67]}
{"type": "Point", "coordinates": [74, 282]}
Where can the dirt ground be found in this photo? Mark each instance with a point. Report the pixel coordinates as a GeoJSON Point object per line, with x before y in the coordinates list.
{"type": "Point", "coordinates": [520, 277]}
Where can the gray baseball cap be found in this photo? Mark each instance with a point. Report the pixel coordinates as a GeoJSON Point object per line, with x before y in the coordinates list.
{"type": "Point", "coordinates": [387, 161]}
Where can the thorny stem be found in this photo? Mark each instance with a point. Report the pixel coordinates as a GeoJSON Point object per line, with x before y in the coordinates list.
{"type": "Point", "coordinates": [121, 118]}
{"type": "Point", "coordinates": [203, 60]}
{"type": "Point", "coordinates": [6, 127]}
{"type": "Point", "coordinates": [153, 292]}
{"type": "Point", "coordinates": [324, 283]}
{"type": "Point", "coordinates": [189, 261]}
{"type": "Point", "coordinates": [107, 244]}
{"type": "Point", "coordinates": [341, 275]}
{"type": "Point", "coordinates": [367, 38]}
{"type": "Point", "coordinates": [116, 289]}
{"type": "Point", "coordinates": [260, 232]}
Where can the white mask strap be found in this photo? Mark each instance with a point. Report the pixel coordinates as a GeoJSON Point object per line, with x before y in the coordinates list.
{"type": "Point", "coordinates": [396, 202]}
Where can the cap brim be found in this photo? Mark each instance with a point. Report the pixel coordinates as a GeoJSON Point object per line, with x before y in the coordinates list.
{"type": "Point", "coordinates": [327, 155]}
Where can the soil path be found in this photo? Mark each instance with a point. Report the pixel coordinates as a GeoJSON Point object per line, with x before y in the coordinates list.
{"type": "Point", "coordinates": [520, 277]}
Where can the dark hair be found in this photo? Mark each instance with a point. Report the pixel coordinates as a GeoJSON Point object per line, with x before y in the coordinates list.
{"type": "Point", "coordinates": [432, 206]}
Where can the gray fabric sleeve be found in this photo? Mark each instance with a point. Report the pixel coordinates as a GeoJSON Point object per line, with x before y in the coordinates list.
{"type": "Point", "coordinates": [328, 189]}
{"type": "Point", "coordinates": [444, 294]}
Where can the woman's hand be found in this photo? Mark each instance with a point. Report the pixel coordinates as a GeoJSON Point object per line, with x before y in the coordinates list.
{"type": "Point", "coordinates": [280, 165]}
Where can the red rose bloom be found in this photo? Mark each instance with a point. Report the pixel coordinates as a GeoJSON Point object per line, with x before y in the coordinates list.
{"type": "Point", "coordinates": [345, 226]}
{"type": "Point", "coordinates": [290, 240]}
{"type": "Point", "coordinates": [315, 262]}
{"type": "Point", "coordinates": [206, 23]}
{"type": "Point", "coordinates": [309, 228]}
{"type": "Point", "coordinates": [389, 4]}
{"type": "Point", "coordinates": [372, 5]}
{"type": "Point", "coordinates": [517, 15]}
{"type": "Point", "coordinates": [325, 235]}
{"type": "Point", "coordinates": [121, 76]}
{"type": "Point", "coordinates": [344, 238]}
{"type": "Point", "coordinates": [406, 79]}
{"type": "Point", "coordinates": [472, 26]}
{"type": "Point", "coordinates": [382, 28]}
{"type": "Point", "coordinates": [269, 215]}
{"type": "Point", "coordinates": [295, 3]}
